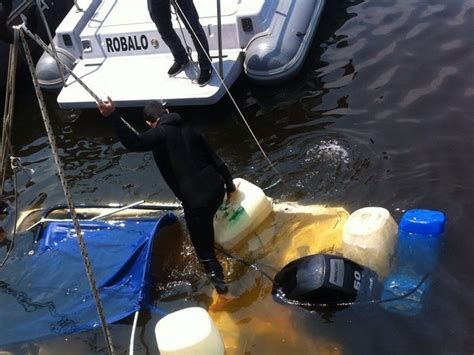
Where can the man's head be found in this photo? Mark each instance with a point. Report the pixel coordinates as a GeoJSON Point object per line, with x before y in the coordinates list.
{"type": "Point", "coordinates": [152, 112]}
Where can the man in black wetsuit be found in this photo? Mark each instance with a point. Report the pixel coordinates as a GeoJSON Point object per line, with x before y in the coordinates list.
{"type": "Point", "coordinates": [160, 13]}
{"type": "Point", "coordinates": [191, 169]}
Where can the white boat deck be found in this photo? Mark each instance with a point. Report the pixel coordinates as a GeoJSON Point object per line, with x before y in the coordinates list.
{"type": "Point", "coordinates": [144, 78]}
{"type": "Point", "coordinates": [125, 58]}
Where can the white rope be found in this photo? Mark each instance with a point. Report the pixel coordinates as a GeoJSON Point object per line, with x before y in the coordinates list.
{"type": "Point", "coordinates": [5, 147]}
{"type": "Point", "coordinates": [15, 169]}
{"type": "Point", "coordinates": [62, 177]}
{"type": "Point", "coordinates": [132, 336]}
{"type": "Point", "coordinates": [51, 42]}
{"type": "Point", "coordinates": [228, 92]}
{"type": "Point", "coordinates": [189, 50]}
{"type": "Point", "coordinates": [48, 50]}
{"type": "Point", "coordinates": [40, 42]}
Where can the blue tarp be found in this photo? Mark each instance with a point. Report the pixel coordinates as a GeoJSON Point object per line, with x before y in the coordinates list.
{"type": "Point", "coordinates": [48, 293]}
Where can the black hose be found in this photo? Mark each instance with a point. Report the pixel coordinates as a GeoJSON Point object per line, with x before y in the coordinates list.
{"type": "Point", "coordinates": [254, 266]}
{"type": "Point", "coordinates": [281, 297]}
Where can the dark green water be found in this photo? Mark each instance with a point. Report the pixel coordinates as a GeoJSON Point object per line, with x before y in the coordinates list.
{"type": "Point", "coordinates": [382, 115]}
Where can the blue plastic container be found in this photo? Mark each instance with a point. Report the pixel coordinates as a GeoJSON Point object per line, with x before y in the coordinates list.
{"type": "Point", "coordinates": [419, 239]}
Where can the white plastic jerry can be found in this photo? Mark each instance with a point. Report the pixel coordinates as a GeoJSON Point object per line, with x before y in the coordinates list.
{"type": "Point", "coordinates": [369, 237]}
{"type": "Point", "coordinates": [237, 218]}
{"type": "Point", "coordinates": [188, 331]}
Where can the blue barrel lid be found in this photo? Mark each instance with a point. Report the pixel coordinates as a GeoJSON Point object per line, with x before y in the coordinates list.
{"type": "Point", "coordinates": [423, 222]}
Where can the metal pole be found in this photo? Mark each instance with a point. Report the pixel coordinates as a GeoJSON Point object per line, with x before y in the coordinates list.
{"type": "Point", "coordinates": [219, 38]}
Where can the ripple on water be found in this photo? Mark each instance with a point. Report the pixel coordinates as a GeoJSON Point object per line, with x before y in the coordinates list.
{"type": "Point", "coordinates": [332, 164]}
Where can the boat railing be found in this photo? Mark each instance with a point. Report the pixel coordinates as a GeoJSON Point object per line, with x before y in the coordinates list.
{"type": "Point", "coordinates": [219, 38]}
{"type": "Point", "coordinates": [117, 208]}
{"type": "Point", "coordinates": [17, 11]}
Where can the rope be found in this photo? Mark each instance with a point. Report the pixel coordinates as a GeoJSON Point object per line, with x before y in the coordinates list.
{"type": "Point", "coordinates": [257, 267]}
{"type": "Point", "coordinates": [189, 50]}
{"type": "Point", "coordinates": [15, 168]}
{"type": "Point", "coordinates": [230, 95]}
{"type": "Point", "coordinates": [50, 37]}
{"type": "Point", "coordinates": [48, 50]}
{"type": "Point", "coordinates": [5, 147]}
{"type": "Point", "coordinates": [132, 336]}
{"type": "Point", "coordinates": [62, 177]}
{"type": "Point", "coordinates": [40, 42]}
{"type": "Point", "coordinates": [282, 297]}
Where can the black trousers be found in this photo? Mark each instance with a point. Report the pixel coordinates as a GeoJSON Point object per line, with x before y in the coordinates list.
{"type": "Point", "coordinates": [160, 13]}
{"type": "Point", "coordinates": [201, 230]}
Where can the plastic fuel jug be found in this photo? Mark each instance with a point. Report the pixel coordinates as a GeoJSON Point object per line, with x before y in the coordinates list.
{"type": "Point", "coordinates": [419, 237]}
{"type": "Point", "coordinates": [369, 237]}
{"type": "Point", "coordinates": [237, 219]}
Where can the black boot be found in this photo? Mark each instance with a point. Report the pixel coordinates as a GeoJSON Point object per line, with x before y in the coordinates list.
{"type": "Point", "coordinates": [216, 275]}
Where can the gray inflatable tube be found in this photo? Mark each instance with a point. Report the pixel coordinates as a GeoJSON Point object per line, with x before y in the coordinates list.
{"type": "Point", "coordinates": [48, 72]}
{"type": "Point", "coordinates": [279, 53]}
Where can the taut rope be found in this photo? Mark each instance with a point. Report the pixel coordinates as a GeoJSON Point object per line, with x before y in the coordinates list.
{"type": "Point", "coordinates": [72, 211]}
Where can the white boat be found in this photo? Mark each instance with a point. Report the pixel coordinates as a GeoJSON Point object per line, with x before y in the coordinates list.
{"type": "Point", "coordinates": [116, 50]}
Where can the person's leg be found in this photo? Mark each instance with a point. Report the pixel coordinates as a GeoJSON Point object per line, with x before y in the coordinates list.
{"type": "Point", "coordinates": [201, 231]}
{"type": "Point", "coordinates": [190, 13]}
{"type": "Point", "coordinates": [161, 15]}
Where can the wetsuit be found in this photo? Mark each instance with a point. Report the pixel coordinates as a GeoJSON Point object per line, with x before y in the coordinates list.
{"type": "Point", "coordinates": [160, 13]}
{"type": "Point", "coordinates": [195, 174]}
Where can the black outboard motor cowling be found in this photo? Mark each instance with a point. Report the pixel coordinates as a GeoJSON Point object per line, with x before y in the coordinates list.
{"type": "Point", "coordinates": [322, 279]}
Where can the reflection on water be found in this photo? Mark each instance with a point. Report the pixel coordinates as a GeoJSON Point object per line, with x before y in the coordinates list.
{"type": "Point", "coordinates": [382, 115]}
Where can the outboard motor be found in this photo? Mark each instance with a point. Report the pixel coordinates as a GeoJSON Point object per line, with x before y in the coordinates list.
{"type": "Point", "coordinates": [324, 280]}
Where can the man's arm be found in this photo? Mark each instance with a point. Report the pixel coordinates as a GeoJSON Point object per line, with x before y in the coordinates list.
{"type": "Point", "coordinates": [129, 137]}
{"type": "Point", "coordinates": [220, 166]}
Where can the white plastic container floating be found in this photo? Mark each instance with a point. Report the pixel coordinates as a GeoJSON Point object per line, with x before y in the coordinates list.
{"type": "Point", "coordinates": [369, 238]}
{"type": "Point", "coordinates": [237, 218]}
{"type": "Point", "coordinates": [188, 331]}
